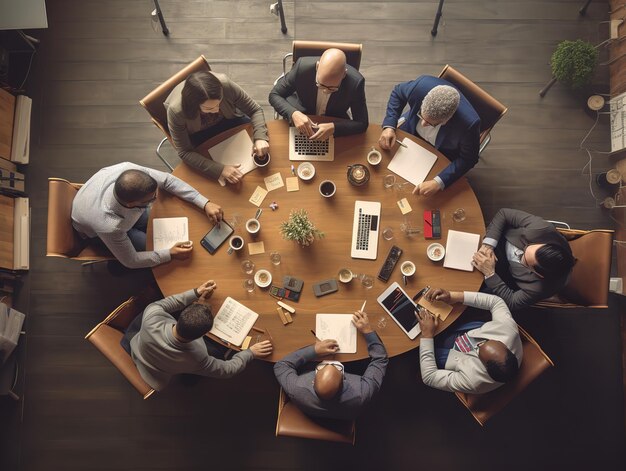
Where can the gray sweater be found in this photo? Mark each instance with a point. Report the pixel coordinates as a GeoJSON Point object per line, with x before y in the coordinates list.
{"type": "Point", "coordinates": [159, 355]}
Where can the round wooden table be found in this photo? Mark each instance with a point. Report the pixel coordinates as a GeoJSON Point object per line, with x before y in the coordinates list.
{"type": "Point", "coordinates": [324, 258]}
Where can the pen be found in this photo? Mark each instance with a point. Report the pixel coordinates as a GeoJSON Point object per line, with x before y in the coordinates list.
{"type": "Point", "coordinates": [270, 336]}
{"type": "Point", "coordinates": [364, 303]}
{"type": "Point", "coordinates": [404, 279]}
{"type": "Point", "coordinates": [402, 144]}
{"type": "Point", "coordinates": [314, 334]}
{"type": "Point", "coordinates": [258, 330]}
{"type": "Point", "coordinates": [293, 170]}
{"type": "Point", "coordinates": [421, 293]}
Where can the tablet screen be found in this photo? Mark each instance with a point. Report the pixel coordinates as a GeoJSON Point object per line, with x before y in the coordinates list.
{"type": "Point", "coordinates": [400, 306]}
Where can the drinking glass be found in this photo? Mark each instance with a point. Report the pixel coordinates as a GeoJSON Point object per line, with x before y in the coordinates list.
{"type": "Point", "coordinates": [407, 228]}
{"type": "Point", "coordinates": [387, 233]}
{"type": "Point", "coordinates": [389, 181]}
{"type": "Point", "coordinates": [367, 281]}
{"type": "Point", "coordinates": [382, 323]}
{"type": "Point", "coordinates": [249, 285]}
{"type": "Point", "coordinates": [275, 258]}
{"type": "Point", "coordinates": [458, 215]}
{"type": "Point", "coordinates": [247, 266]}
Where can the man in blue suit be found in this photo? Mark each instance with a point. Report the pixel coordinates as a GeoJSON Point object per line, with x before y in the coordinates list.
{"type": "Point", "coordinates": [440, 115]}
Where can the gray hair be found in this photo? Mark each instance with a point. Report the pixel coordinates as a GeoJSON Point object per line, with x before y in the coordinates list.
{"type": "Point", "coordinates": [440, 103]}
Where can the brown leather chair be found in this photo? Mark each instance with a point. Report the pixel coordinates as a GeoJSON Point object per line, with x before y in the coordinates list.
{"type": "Point", "coordinates": [107, 334]}
{"type": "Point", "coordinates": [300, 49]}
{"type": "Point", "coordinates": [488, 108]}
{"type": "Point", "coordinates": [588, 285]}
{"type": "Point", "coordinates": [62, 239]}
{"type": "Point", "coordinates": [534, 363]}
{"type": "Point", "coordinates": [153, 101]}
{"type": "Point", "coordinates": [292, 422]}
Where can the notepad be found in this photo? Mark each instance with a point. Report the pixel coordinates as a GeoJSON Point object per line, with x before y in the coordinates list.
{"type": "Point", "coordinates": [460, 248]}
{"type": "Point", "coordinates": [237, 149]}
{"type": "Point", "coordinates": [233, 322]}
{"type": "Point", "coordinates": [413, 162]}
{"type": "Point", "coordinates": [169, 231]}
{"type": "Point", "coordinates": [337, 327]}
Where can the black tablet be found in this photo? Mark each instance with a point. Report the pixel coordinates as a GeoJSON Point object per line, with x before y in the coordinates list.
{"type": "Point", "coordinates": [216, 237]}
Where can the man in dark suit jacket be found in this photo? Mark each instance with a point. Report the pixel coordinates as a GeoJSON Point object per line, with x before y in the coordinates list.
{"type": "Point", "coordinates": [532, 261]}
{"type": "Point", "coordinates": [327, 391]}
{"type": "Point", "coordinates": [325, 86]}
{"type": "Point", "coordinates": [441, 115]}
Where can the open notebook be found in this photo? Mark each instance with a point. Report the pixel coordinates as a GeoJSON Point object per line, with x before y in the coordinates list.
{"type": "Point", "coordinates": [337, 327]}
{"type": "Point", "coordinates": [237, 149]}
{"type": "Point", "coordinates": [460, 248]}
{"type": "Point", "coordinates": [233, 322]}
{"type": "Point", "coordinates": [168, 231]}
{"type": "Point", "coordinates": [413, 162]}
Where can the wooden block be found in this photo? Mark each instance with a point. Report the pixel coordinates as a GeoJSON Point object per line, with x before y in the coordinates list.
{"type": "Point", "coordinates": [286, 307]}
{"type": "Point", "coordinates": [7, 205]}
{"type": "Point", "coordinates": [246, 342]}
{"type": "Point", "coordinates": [288, 317]}
{"type": "Point", "coordinates": [7, 113]}
{"type": "Point", "coordinates": [281, 314]}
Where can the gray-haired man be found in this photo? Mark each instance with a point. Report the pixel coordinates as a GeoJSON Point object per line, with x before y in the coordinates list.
{"type": "Point", "coordinates": [440, 115]}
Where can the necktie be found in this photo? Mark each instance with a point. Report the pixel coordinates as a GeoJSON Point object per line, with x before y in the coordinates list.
{"type": "Point", "coordinates": [462, 343]}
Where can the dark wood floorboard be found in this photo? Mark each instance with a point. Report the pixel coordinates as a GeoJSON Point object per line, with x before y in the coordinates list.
{"type": "Point", "coordinates": [98, 58]}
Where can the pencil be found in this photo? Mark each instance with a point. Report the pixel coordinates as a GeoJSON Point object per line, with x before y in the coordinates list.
{"type": "Point", "coordinates": [269, 335]}
{"type": "Point", "coordinates": [258, 330]}
{"type": "Point", "coordinates": [314, 334]}
{"type": "Point", "coordinates": [402, 144]}
{"type": "Point", "coordinates": [364, 303]}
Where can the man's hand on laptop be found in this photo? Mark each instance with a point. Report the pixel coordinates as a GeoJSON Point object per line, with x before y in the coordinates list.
{"type": "Point", "coordinates": [387, 138]}
{"type": "Point", "coordinates": [261, 349]}
{"type": "Point", "coordinates": [214, 212]}
{"type": "Point", "coordinates": [302, 123]}
{"type": "Point", "coordinates": [231, 173]}
{"type": "Point", "coordinates": [323, 132]}
{"type": "Point", "coordinates": [181, 250]}
{"type": "Point", "coordinates": [427, 188]}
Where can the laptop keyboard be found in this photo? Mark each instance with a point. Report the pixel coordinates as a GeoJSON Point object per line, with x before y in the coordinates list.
{"type": "Point", "coordinates": [304, 146]}
{"type": "Point", "coordinates": [367, 222]}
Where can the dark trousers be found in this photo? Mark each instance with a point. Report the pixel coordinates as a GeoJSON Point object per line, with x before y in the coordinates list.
{"type": "Point", "coordinates": [225, 124]}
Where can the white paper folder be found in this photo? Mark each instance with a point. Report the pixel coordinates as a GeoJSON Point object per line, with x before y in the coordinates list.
{"type": "Point", "coordinates": [460, 248]}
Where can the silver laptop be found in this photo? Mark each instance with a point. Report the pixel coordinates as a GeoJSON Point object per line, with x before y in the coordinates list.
{"type": "Point", "coordinates": [302, 148]}
{"type": "Point", "coordinates": [365, 230]}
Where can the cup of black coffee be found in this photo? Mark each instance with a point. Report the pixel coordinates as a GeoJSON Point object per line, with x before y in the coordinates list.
{"type": "Point", "coordinates": [327, 188]}
{"type": "Point", "coordinates": [261, 160]}
{"type": "Point", "coordinates": [235, 242]}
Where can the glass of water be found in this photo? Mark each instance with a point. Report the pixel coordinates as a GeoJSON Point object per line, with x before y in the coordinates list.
{"type": "Point", "coordinates": [275, 258]}
{"type": "Point", "coordinates": [382, 323]}
{"type": "Point", "coordinates": [458, 215]}
{"type": "Point", "coordinates": [247, 266]}
{"type": "Point", "coordinates": [367, 281]}
{"type": "Point", "coordinates": [249, 285]}
{"type": "Point", "coordinates": [389, 181]}
{"type": "Point", "coordinates": [387, 233]}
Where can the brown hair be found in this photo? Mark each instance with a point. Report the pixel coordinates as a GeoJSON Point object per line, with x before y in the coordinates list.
{"type": "Point", "coordinates": [199, 87]}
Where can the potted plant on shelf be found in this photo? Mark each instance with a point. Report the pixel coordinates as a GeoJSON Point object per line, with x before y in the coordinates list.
{"type": "Point", "coordinates": [572, 63]}
{"type": "Point", "coordinates": [300, 229]}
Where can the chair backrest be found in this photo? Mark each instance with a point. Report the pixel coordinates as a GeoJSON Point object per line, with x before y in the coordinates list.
{"type": "Point", "coordinates": [107, 334]}
{"type": "Point", "coordinates": [316, 48]}
{"type": "Point", "coordinates": [588, 284]}
{"type": "Point", "coordinates": [488, 108]}
{"type": "Point", "coordinates": [153, 101]}
{"type": "Point", "coordinates": [534, 363]}
{"type": "Point", "coordinates": [62, 239]}
{"type": "Point", "coordinates": [292, 422]}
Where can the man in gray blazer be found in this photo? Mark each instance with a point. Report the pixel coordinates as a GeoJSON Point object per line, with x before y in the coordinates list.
{"type": "Point", "coordinates": [473, 357]}
{"type": "Point", "coordinates": [524, 258]}
{"type": "Point", "coordinates": [164, 347]}
{"type": "Point", "coordinates": [326, 390]}
{"type": "Point", "coordinates": [323, 86]}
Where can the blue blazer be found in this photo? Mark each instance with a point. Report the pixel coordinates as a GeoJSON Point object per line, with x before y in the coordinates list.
{"type": "Point", "coordinates": [458, 139]}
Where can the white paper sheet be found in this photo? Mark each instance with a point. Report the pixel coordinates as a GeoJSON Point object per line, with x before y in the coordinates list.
{"type": "Point", "coordinates": [233, 322]}
{"type": "Point", "coordinates": [460, 248]}
{"type": "Point", "coordinates": [338, 327]}
{"type": "Point", "coordinates": [412, 163]}
{"type": "Point", "coordinates": [168, 231]}
{"type": "Point", "coordinates": [237, 149]}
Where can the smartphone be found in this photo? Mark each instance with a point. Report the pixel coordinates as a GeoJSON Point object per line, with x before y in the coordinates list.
{"type": "Point", "coordinates": [216, 237]}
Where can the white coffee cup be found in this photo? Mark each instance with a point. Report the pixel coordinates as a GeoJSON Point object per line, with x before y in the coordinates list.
{"type": "Point", "coordinates": [236, 243]}
{"type": "Point", "coordinates": [261, 160]}
{"type": "Point", "coordinates": [374, 157]}
{"type": "Point", "coordinates": [407, 268]}
{"type": "Point", "coordinates": [253, 226]}
{"type": "Point", "coordinates": [345, 275]}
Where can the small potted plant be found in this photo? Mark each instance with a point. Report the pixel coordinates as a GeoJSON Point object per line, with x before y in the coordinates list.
{"type": "Point", "coordinates": [300, 229]}
{"type": "Point", "coordinates": [572, 64]}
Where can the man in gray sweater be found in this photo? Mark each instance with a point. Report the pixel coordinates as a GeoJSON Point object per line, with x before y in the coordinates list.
{"type": "Point", "coordinates": [164, 347]}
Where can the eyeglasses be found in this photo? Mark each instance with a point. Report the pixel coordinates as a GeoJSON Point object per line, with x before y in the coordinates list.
{"type": "Point", "coordinates": [336, 364]}
{"type": "Point", "coordinates": [419, 115]}
{"type": "Point", "coordinates": [210, 110]}
{"type": "Point", "coordinates": [326, 87]}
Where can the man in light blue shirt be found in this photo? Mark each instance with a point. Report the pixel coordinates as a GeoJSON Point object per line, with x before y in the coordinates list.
{"type": "Point", "coordinates": [113, 205]}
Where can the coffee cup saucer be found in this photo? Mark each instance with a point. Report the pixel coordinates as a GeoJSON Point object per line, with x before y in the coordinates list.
{"type": "Point", "coordinates": [258, 278]}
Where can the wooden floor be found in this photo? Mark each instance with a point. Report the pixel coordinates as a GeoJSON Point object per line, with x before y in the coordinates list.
{"type": "Point", "coordinates": [98, 58]}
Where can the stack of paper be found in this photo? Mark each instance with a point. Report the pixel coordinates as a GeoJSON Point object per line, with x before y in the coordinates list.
{"type": "Point", "coordinates": [169, 231]}
{"type": "Point", "coordinates": [235, 150]}
{"type": "Point", "coordinates": [460, 248]}
{"type": "Point", "coordinates": [413, 162]}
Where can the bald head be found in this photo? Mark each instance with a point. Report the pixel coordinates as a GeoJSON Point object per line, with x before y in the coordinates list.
{"type": "Point", "coordinates": [331, 68]}
{"type": "Point", "coordinates": [328, 381]}
{"type": "Point", "coordinates": [500, 362]}
{"type": "Point", "coordinates": [133, 186]}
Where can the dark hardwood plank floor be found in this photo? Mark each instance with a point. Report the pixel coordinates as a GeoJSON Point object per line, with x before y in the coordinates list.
{"type": "Point", "coordinates": [98, 58]}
